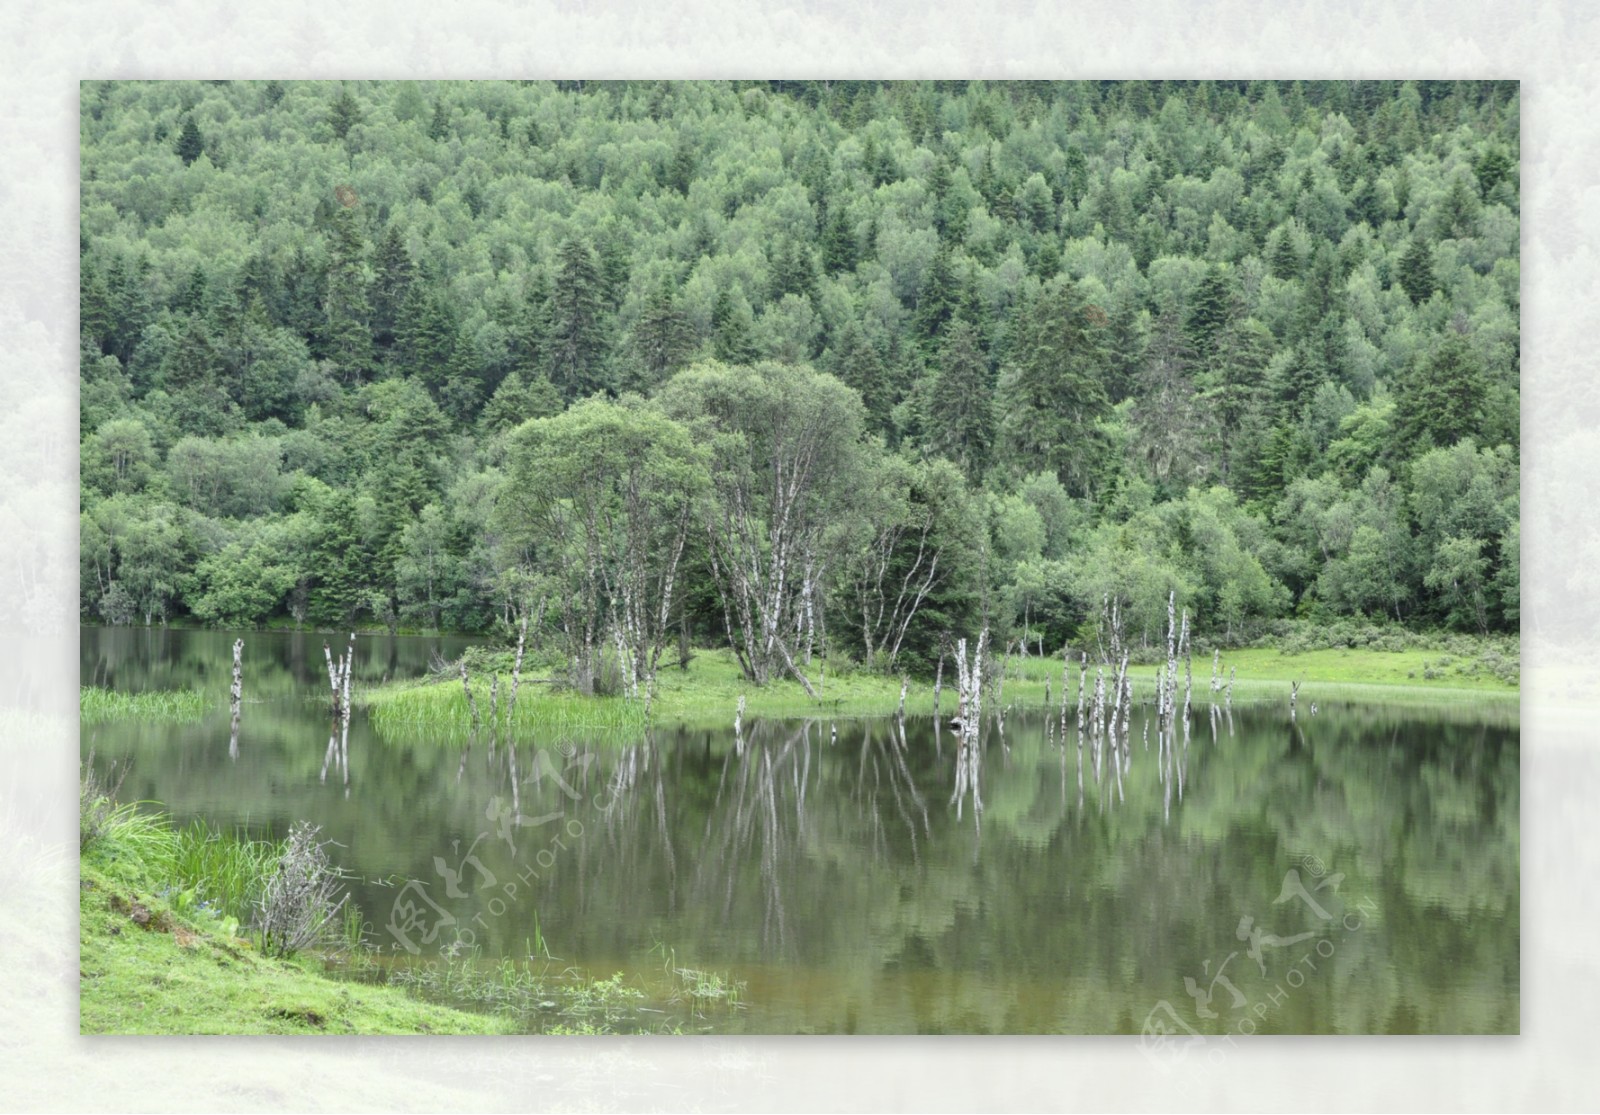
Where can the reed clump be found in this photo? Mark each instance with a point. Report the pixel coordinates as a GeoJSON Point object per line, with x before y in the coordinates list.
{"type": "Point", "coordinates": [161, 706]}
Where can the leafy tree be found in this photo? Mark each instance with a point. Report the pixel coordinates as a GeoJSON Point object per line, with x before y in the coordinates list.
{"type": "Point", "coordinates": [238, 586]}
{"type": "Point", "coordinates": [606, 495]}
{"type": "Point", "coordinates": [786, 449]}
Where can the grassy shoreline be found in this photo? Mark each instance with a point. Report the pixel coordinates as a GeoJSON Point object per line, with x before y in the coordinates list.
{"type": "Point", "coordinates": [707, 693]}
{"type": "Point", "coordinates": [155, 956]}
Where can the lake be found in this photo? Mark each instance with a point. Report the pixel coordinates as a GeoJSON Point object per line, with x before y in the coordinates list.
{"type": "Point", "coordinates": [1352, 871]}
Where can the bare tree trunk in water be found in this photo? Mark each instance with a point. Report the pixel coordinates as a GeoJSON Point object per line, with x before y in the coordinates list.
{"type": "Point", "coordinates": [472, 702]}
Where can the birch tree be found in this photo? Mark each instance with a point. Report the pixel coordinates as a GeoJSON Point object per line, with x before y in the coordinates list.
{"type": "Point", "coordinates": [604, 497]}
{"type": "Point", "coordinates": [787, 453]}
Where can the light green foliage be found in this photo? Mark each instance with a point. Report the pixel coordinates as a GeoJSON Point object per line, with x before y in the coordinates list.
{"type": "Point", "coordinates": [603, 497]}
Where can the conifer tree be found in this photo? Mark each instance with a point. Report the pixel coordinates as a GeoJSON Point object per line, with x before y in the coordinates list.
{"type": "Point", "coordinates": [577, 345]}
{"type": "Point", "coordinates": [191, 144]}
{"type": "Point", "coordinates": [1416, 271]}
{"type": "Point", "coordinates": [959, 421]}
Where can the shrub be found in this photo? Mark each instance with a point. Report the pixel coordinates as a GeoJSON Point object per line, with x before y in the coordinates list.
{"type": "Point", "coordinates": [301, 901]}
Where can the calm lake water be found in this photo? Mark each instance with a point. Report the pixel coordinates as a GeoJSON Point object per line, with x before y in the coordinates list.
{"type": "Point", "coordinates": [1354, 872]}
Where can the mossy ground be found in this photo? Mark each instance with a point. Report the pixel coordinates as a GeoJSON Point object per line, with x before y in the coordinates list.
{"type": "Point", "coordinates": [145, 969]}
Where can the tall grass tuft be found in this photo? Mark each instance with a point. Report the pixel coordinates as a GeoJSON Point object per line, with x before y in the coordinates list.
{"type": "Point", "coordinates": [97, 801]}
{"type": "Point", "coordinates": [161, 706]}
{"type": "Point", "coordinates": [224, 871]}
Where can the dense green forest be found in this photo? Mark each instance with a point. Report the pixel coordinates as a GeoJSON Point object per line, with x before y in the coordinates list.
{"type": "Point", "coordinates": [798, 366]}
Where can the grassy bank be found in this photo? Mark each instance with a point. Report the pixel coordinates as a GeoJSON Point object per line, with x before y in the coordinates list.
{"type": "Point", "coordinates": [161, 951]}
{"type": "Point", "coordinates": [707, 692]}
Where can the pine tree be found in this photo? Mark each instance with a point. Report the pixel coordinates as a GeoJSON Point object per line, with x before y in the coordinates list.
{"type": "Point", "coordinates": [517, 399]}
{"type": "Point", "coordinates": [1167, 438]}
{"type": "Point", "coordinates": [439, 126]}
{"type": "Point", "coordinates": [337, 562]}
{"type": "Point", "coordinates": [958, 421]}
{"type": "Point", "coordinates": [346, 307]}
{"type": "Point", "coordinates": [191, 298]}
{"type": "Point", "coordinates": [860, 366]}
{"type": "Point", "coordinates": [1282, 259]}
{"type": "Point", "coordinates": [343, 114]}
{"type": "Point", "coordinates": [577, 347]}
{"type": "Point", "coordinates": [792, 271]}
{"type": "Point", "coordinates": [1053, 392]}
{"type": "Point", "coordinates": [663, 339]}
{"type": "Point", "coordinates": [96, 316]}
{"type": "Point", "coordinates": [680, 171]}
{"type": "Point", "coordinates": [1214, 307]}
{"type": "Point", "coordinates": [730, 330]}
{"type": "Point", "coordinates": [937, 301]}
{"type": "Point", "coordinates": [1231, 383]}
{"type": "Point", "coordinates": [530, 335]}
{"type": "Point", "coordinates": [425, 336]}
{"type": "Point", "coordinates": [1416, 271]}
{"type": "Point", "coordinates": [1125, 345]}
{"type": "Point", "coordinates": [392, 280]}
{"type": "Point", "coordinates": [1459, 209]}
{"type": "Point", "coordinates": [1441, 397]}
{"type": "Point", "coordinates": [838, 242]}
{"type": "Point", "coordinates": [191, 144]}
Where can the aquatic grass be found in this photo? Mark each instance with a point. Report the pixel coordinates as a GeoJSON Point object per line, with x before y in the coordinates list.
{"type": "Point", "coordinates": [162, 706]}
{"type": "Point", "coordinates": [696, 986]}
{"type": "Point", "coordinates": [438, 712]}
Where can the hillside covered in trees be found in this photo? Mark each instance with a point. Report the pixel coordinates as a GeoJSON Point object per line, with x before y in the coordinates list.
{"type": "Point", "coordinates": [814, 364]}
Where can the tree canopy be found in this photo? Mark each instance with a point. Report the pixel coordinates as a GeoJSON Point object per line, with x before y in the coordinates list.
{"type": "Point", "coordinates": [1256, 343]}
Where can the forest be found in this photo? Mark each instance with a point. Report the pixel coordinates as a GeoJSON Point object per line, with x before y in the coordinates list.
{"type": "Point", "coordinates": [797, 368]}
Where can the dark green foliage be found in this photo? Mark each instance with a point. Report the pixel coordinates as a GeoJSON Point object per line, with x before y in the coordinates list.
{"type": "Point", "coordinates": [663, 340]}
{"type": "Point", "coordinates": [347, 310]}
{"type": "Point", "coordinates": [191, 145]}
{"type": "Point", "coordinates": [1052, 393]}
{"type": "Point", "coordinates": [1441, 397]}
{"type": "Point", "coordinates": [343, 114]}
{"type": "Point", "coordinates": [577, 341]}
{"type": "Point", "coordinates": [730, 330]}
{"type": "Point", "coordinates": [1416, 271]}
{"type": "Point", "coordinates": [959, 421]}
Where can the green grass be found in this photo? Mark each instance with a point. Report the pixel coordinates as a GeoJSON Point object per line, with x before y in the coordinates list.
{"type": "Point", "coordinates": [151, 963]}
{"type": "Point", "coordinates": [1371, 670]}
{"type": "Point", "coordinates": [214, 870]}
{"type": "Point", "coordinates": [437, 711]}
{"type": "Point", "coordinates": [165, 706]}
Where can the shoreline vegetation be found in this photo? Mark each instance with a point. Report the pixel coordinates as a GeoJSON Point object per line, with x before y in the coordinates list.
{"type": "Point", "coordinates": [169, 944]}
{"type": "Point", "coordinates": [710, 689]}
{"type": "Point", "coordinates": [1388, 667]}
